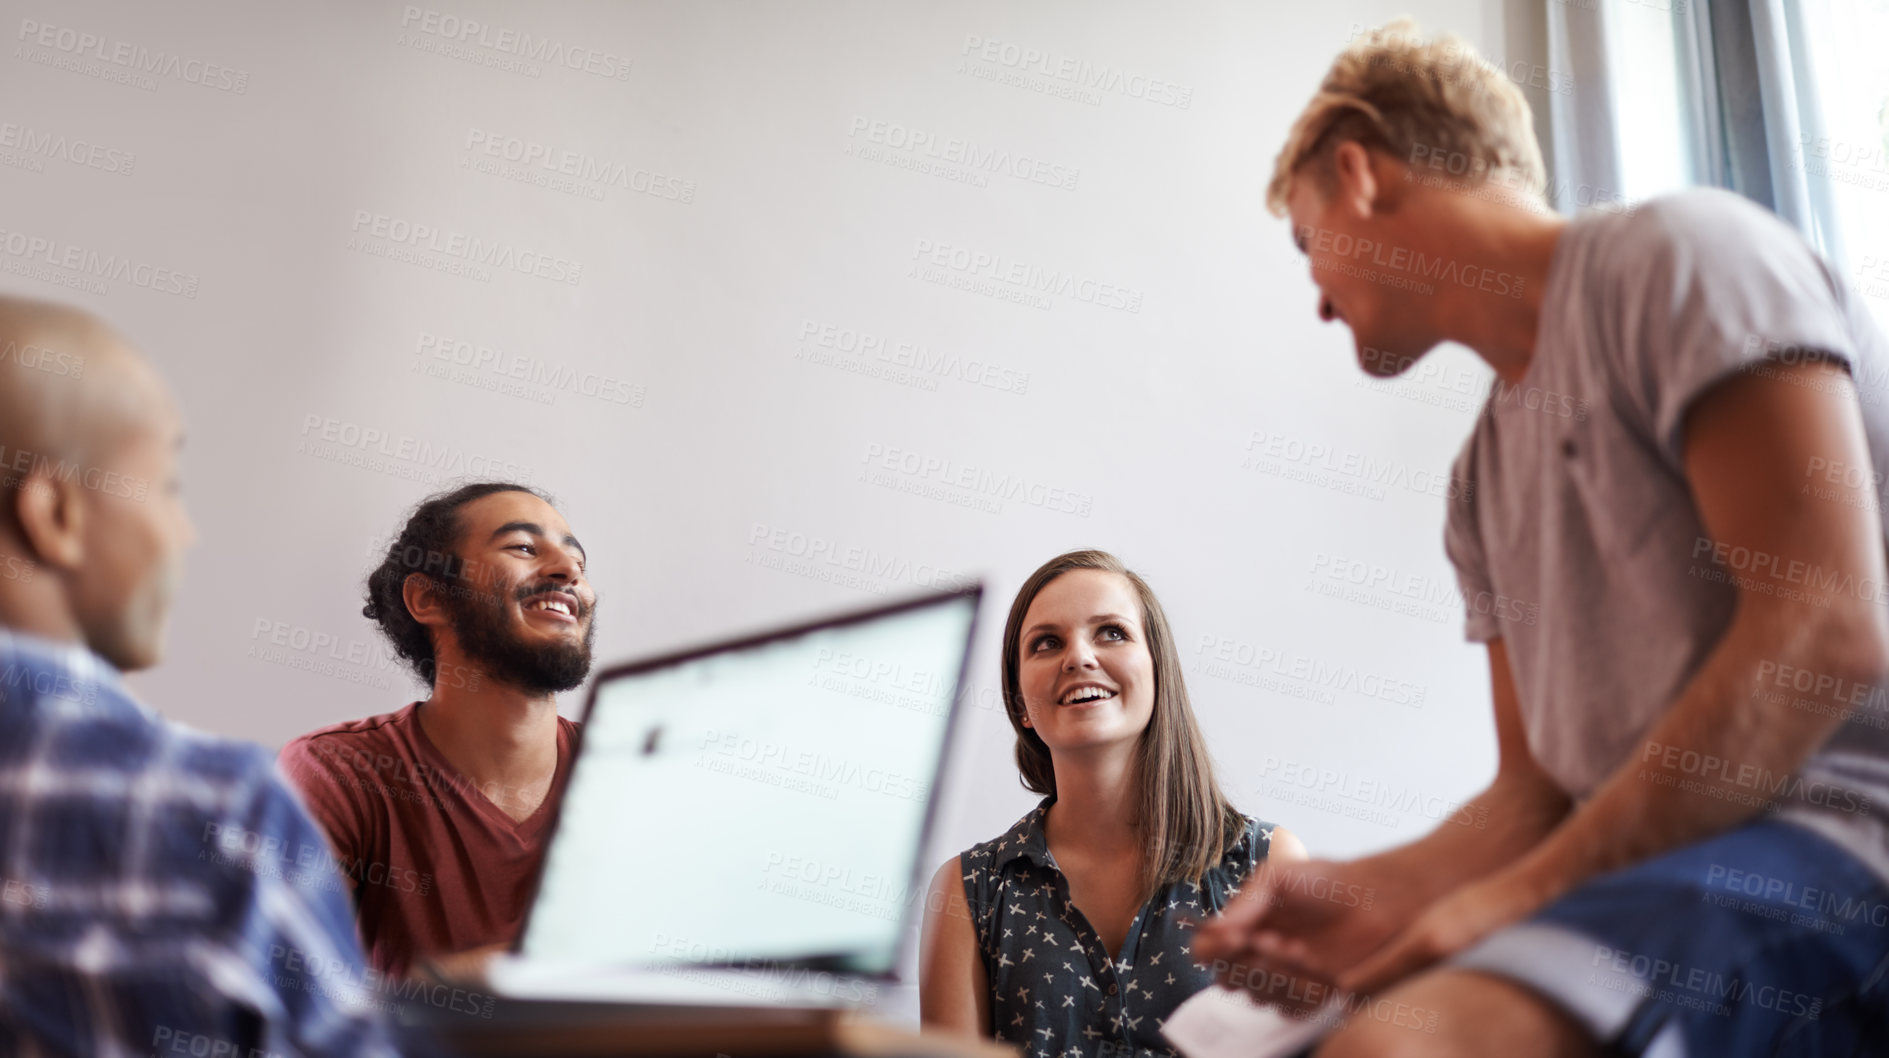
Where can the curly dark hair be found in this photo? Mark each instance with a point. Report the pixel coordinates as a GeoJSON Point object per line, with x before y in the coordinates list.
{"type": "Point", "coordinates": [427, 545]}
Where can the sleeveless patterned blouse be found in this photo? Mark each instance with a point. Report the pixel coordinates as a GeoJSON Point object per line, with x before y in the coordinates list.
{"type": "Point", "coordinates": [1054, 989]}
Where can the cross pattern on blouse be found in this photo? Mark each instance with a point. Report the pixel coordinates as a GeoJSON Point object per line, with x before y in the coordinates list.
{"type": "Point", "coordinates": [1032, 886]}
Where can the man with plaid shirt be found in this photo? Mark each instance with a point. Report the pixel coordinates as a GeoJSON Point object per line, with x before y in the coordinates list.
{"type": "Point", "coordinates": [162, 891]}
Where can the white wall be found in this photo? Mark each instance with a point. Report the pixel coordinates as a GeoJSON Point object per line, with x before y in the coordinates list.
{"type": "Point", "coordinates": [713, 434]}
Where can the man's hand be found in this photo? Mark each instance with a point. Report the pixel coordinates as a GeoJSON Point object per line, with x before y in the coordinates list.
{"type": "Point", "coordinates": [460, 967]}
{"type": "Point", "coordinates": [1294, 928]}
{"type": "Point", "coordinates": [1445, 928]}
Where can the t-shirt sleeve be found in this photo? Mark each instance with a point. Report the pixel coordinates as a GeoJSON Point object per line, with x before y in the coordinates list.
{"type": "Point", "coordinates": [1708, 285]}
{"type": "Point", "coordinates": [1462, 541]}
{"type": "Point", "coordinates": [321, 776]}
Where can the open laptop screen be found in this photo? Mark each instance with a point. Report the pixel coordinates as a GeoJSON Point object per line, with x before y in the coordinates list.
{"type": "Point", "coordinates": [757, 804]}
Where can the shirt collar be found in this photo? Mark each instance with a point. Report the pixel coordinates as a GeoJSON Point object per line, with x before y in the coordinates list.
{"type": "Point", "coordinates": [1027, 839]}
{"type": "Point", "coordinates": [85, 674]}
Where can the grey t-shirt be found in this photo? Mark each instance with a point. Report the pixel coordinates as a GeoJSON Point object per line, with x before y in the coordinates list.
{"type": "Point", "coordinates": [1579, 545]}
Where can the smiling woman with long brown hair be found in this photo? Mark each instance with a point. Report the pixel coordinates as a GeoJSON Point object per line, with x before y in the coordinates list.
{"type": "Point", "coordinates": [1074, 928]}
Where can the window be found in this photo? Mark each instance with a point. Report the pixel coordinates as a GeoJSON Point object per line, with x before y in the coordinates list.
{"type": "Point", "coordinates": [1650, 108]}
{"type": "Point", "coordinates": [1844, 150]}
{"type": "Point", "coordinates": [1796, 115]}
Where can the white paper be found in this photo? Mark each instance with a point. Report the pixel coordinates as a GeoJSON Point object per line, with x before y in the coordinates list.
{"type": "Point", "coordinates": [1223, 1023]}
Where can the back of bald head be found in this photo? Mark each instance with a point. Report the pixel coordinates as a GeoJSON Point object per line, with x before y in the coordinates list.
{"type": "Point", "coordinates": [71, 388]}
{"type": "Point", "coordinates": [88, 503]}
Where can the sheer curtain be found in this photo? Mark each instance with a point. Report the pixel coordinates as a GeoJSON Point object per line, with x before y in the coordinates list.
{"type": "Point", "coordinates": [1753, 104]}
{"type": "Point", "coordinates": [1786, 103]}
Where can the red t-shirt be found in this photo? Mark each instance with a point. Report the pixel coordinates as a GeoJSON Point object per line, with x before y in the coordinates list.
{"type": "Point", "coordinates": [435, 866]}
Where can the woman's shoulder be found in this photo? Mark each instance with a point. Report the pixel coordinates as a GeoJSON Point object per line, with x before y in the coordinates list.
{"type": "Point", "coordinates": [1242, 856]}
{"type": "Point", "coordinates": [1024, 837]}
{"type": "Point", "coordinates": [1253, 845]}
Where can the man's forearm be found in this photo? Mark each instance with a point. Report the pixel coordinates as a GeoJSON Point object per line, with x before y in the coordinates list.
{"type": "Point", "coordinates": [1494, 829]}
{"type": "Point", "coordinates": [1726, 745]}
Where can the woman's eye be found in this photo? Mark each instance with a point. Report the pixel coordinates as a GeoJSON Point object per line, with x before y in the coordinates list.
{"type": "Point", "coordinates": [1037, 647]}
{"type": "Point", "coordinates": [1114, 632]}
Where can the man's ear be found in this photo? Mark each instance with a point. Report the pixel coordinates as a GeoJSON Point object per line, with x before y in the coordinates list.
{"type": "Point", "coordinates": [1358, 180]}
{"type": "Point", "coordinates": [422, 598]}
{"type": "Point", "coordinates": [51, 517]}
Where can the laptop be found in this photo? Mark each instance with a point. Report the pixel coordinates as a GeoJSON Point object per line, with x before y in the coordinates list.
{"type": "Point", "coordinates": [743, 823]}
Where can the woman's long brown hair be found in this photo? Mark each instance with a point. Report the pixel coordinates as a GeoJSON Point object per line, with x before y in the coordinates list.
{"type": "Point", "coordinates": [1186, 822]}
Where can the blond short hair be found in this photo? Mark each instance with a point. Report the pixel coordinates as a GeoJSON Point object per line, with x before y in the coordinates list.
{"type": "Point", "coordinates": [1435, 105]}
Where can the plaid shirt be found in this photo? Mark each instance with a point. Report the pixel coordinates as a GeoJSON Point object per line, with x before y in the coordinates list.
{"type": "Point", "coordinates": [161, 891]}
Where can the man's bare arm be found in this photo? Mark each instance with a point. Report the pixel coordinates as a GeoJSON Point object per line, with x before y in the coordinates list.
{"type": "Point", "coordinates": [1282, 926]}
{"type": "Point", "coordinates": [1749, 445]}
{"type": "Point", "coordinates": [1519, 807]}
{"type": "Point", "coordinates": [1713, 759]}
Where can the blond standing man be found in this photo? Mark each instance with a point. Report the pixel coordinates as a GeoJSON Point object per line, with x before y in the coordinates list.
{"type": "Point", "coordinates": [1673, 476]}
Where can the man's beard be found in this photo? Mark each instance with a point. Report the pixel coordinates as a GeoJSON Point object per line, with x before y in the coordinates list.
{"type": "Point", "coordinates": [489, 637]}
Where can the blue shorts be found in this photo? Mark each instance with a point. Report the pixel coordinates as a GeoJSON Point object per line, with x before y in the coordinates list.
{"type": "Point", "coordinates": [1765, 940]}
